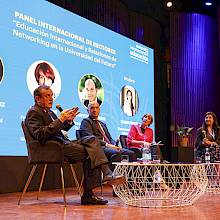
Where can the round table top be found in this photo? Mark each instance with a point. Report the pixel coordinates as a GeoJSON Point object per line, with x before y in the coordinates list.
{"type": "Point", "coordinates": [151, 163]}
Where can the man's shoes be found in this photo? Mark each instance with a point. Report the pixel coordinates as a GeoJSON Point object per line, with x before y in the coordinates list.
{"type": "Point", "coordinates": [113, 179]}
{"type": "Point", "coordinates": [93, 200]}
{"type": "Point", "coordinates": [100, 199]}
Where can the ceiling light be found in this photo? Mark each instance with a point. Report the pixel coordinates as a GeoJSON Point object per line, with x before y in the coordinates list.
{"type": "Point", "coordinates": [208, 3]}
{"type": "Point", "coordinates": [169, 4]}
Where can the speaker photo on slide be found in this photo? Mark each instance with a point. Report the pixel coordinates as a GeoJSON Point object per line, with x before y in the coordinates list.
{"type": "Point", "coordinates": [90, 90]}
{"type": "Point", "coordinates": [1, 71]}
{"type": "Point", "coordinates": [129, 100]}
{"type": "Point", "coordinates": [43, 73]}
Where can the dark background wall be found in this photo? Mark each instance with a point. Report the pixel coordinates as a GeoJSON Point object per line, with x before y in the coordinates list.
{"type": "Point", "coordinates": [187, 74]}
{"type": "Point", "coordinates": [194, 67]}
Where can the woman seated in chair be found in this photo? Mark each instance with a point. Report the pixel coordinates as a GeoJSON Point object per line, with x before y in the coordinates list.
{"type": "Point", "coordinates": [208, 136]}
{"type": "Point", "coordinates": [141, 135]}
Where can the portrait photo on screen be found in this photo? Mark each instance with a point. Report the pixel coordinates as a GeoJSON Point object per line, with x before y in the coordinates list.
{"type": "Point", "coordinates": [43, 73]}
{"type": "Point", "coordinates": [129, 100]}
{"type": "Point", "coordinates": [90, 90]}
{"type": "Point", "coordinates": [1, 71]}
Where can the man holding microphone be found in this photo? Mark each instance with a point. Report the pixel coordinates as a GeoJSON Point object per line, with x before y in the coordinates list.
{"type": "Point", "coordinates": [44, 125]}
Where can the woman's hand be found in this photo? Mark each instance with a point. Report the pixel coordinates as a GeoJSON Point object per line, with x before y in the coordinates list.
{"type": "Point", "coordinates": [146, 144]}
{"type": "Point", "coordinates": [208, 142]}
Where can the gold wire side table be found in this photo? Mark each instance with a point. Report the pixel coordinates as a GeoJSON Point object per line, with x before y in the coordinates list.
{"type": "Point", "coordinates": [213, 174]}
{"type": "Point", "coordinates": [160, 185]}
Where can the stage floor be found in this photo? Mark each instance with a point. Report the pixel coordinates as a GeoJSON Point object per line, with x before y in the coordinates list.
{"type": "Point", "coordinates": [50, 206]}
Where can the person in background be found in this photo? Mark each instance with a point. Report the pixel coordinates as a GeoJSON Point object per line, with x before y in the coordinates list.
{"type": "Point", "coordinates": [92, 126]}
{"type": "Point", "coordinates": [141, 135]}
{"type": "Point", "coordinates": [128, 106]}
{"type": "Point", "coordinates": [91, 93]}
{"type": "Point", "coordinates": [44, 125]}
{"type": "Point", "coordinates": [44, 74]}
{"type": "Point", "coordinates": [208, 136]}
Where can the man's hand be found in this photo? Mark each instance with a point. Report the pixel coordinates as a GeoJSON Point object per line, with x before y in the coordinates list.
{"type": "Point", "coordinates": [75, 112]}
{"type": "Point", "coordinates": [113, 146]}
{"type": "Point", "coordinates": [69, 115]}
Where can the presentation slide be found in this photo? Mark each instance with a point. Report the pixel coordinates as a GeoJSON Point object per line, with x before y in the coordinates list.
{"type": "Point", "coordinates": [81, 61]}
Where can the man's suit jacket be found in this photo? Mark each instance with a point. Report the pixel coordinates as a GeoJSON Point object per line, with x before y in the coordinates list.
{"type": "Point", "coordinates": [88, 127]}
{"type": "Point", "coordinates": [44, 125]}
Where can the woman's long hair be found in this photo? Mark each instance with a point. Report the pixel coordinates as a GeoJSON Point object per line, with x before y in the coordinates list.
{"type": "Point", "coordinates": [215, 125]}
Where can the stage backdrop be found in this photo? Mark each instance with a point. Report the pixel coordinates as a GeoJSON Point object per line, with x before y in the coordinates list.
{"type": "Point", "coordinates": [38, 33]}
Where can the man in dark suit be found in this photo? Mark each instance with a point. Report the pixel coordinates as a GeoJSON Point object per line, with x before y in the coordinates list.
{"type": "Point", "coordinates": [44, 125]}
{"type": "Point", "coordinates": [92, 126]}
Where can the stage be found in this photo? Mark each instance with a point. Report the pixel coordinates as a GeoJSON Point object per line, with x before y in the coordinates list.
{"type": "Point", "coordinates": [50, 206]}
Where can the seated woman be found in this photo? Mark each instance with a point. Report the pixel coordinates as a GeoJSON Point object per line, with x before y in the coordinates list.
{"type": "Point", "coordinates": [141, 135]}
{"type": "Point", "coordinates": [208, 136]}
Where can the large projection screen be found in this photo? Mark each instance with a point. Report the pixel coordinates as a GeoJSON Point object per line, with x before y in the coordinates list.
{"type": "Point", "coordinates": [77, 50]}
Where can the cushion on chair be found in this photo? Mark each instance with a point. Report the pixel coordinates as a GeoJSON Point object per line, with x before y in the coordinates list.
{"type": "Point", "coordinates": [123, 140]}
{"type": "Point", "coordinates": [50, 152]}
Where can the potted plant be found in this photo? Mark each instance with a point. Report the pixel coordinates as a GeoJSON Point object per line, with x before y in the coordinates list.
{"type": "Point", "coordinates": [183, 133]}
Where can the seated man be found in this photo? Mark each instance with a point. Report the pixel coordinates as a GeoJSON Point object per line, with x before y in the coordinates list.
{"type": "Point", "coordinates": [44, 125]}
{"type": "Point", "coordinates": [91, 126]}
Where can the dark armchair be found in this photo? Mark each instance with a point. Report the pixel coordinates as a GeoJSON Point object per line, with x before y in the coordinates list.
{"type": "Point", "coordinates": [123, 141]}
{"type": "Point", "coordinates": [43, 154]}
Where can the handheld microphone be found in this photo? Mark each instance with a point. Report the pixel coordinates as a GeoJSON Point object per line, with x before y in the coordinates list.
{"type": "Point", "coordinates": [59, 107]}
{"type": "Point", "coordinates": [204, 133]}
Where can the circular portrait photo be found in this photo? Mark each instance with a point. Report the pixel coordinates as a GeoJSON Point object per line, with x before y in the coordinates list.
{"type": "Point", "coordinates": [90, 90]}
{"type": "Point", "coordinates": [43, 73]}
{"type": "Point", "coordinates": [1, 71]}
{"type": "Point", "coordinates": [129, 100]}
